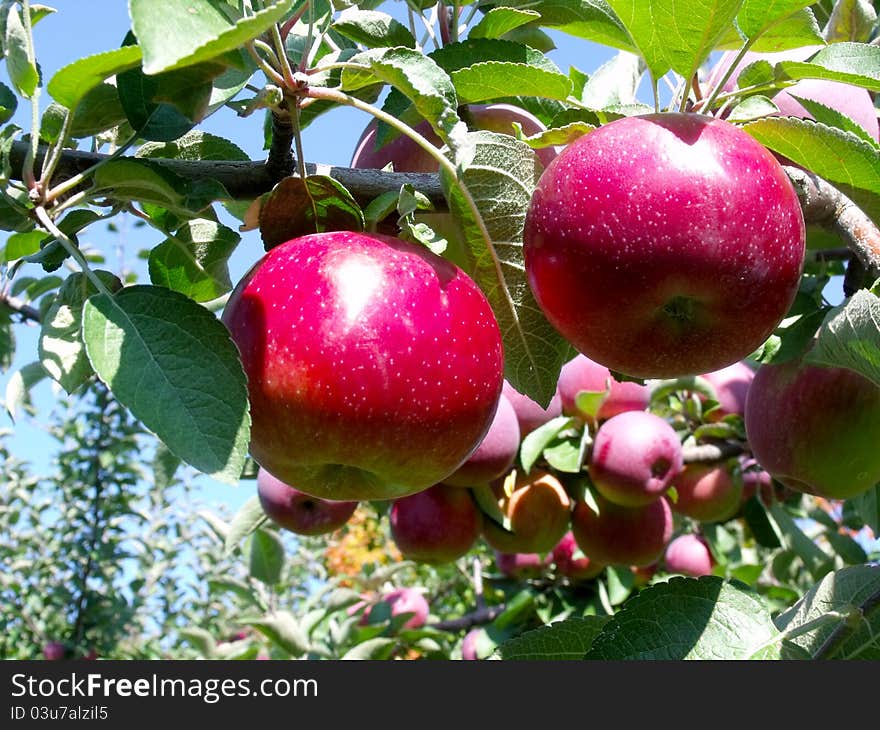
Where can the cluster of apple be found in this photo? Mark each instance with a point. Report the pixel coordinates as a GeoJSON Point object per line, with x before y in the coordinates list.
{"type": "Point", "coordinates": [660, 246]}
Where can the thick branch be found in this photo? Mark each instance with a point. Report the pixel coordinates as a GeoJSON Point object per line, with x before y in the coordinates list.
{"type": "Point", "coordinates": [825, 205]}
{"type": "Point", "coordinates": [475, 618]}
{"type": "Point", "coordinates": [25, 311]}
{"type": "Point", "coordinates": [712, 452]}
{"type": "Point", "coordinates": [247, 180]}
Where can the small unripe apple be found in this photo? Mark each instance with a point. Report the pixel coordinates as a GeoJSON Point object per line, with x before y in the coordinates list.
{"type": "Point", "coordinates": [374, 366]}
{"type": "Point", "coordinates": [634, 458]}
{"type": "Point", "coordinates": [538, 510]}
{"type": "Point", "coordinates": [437, 525]}
{"type": "Point", "coordinates": [815, 428]}
{"type": "Point", "coordinates": [664, 245]}
{"type": "Point", "coordinates": [689, 555]}
{"type": "Point", "coordinates": [529, 414]}
{"type": "Point", "coordinates": [581, 373]}
{"type": "Point", "coordinates": [731, 385]}
{"type": "Point", "coordinates": [496, 452]}
{"type": "Point", "coordinates": [297, 511]}
{"type": "Point", "coordinates": [572, 567]}
{"type": "Point", "coordinates": [522, 565]}
{"type": "Point", "coordinates": [618, 535]}
{"type": "Point", "coordinates": [707, 492]}
{"type": "Point", "coordinates": [469, 645]}
{"type": "Point", "coordinates": [54, 651]}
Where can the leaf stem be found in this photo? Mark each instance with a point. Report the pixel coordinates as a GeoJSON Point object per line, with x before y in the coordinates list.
{"type": "Point", "coordinates": [72, 182]}
{"type": "Point", "coordinates": [707, 104]}
{"type": "Point", "coordinates": [28, 176]}
{"type": "Point", "coordinates": [71, 248]}
{"type": "Point", "coordinates": [264, 65]}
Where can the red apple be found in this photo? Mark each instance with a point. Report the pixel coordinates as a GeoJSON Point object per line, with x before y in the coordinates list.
{"type": "Point", "coordinates": [522, 565]}
{"type": "Point", "coordinates": [731, 385]}
{"type": "Point", "coordinates": [689, 555]}
{"type": "Point", "coordinates": [496, 452]}
{"type": "Point", "coordinates": [538, 510]}
{"type": "Point", "coordinates": [664, 245]}
{"type": "Point", "coordinates": [634, 457]}
{"type": "Point", "coordinates": [852, 101]}
{"type": "Point", "coordinates": [529, 414]}
{"type": "Point", "coordinates": [755, 478]}
{"type": "Point", "coordinates": [469, 645]}
{"type": "Point", "coordinates": [54, 651]}
{"type": "Point", "coordinates": [572, 567]}
{"type": "Point", "coordinates": [297, 511]}
{"type": "Point", "coordinates": [581, 373]}
{"type": "Point", "coordinates": [815, 428]}
{"type": "Point", "coordinates": [618, 535]}
{"type": "Point", "coordinates": [407, 600]}
{"type": "Point", "coordinates": [707, 492]}
{"type": "Point", "coordinates": [407, 156]}
{"type": "Point", "coordinates": [437, 525]}
{"type": "Point", "coordinates": [374, 366]}
{"type": "Point", "coordinates": [642, 574]}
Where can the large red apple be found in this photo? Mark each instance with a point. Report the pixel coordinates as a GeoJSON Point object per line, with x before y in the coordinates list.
{"type": "Point", "coordinates": [852, 101]}
{"type": "Point", "coordinates": [689, 555]}
{"type": "Point", "coordinates": [496, 452]}
{"type": "Point", "coordinates": [615, 535]}
{"type": "Point", "coordinates": [815, 429]}
{"type": "Point", "coordinates": [297, 511]}
{"type": "Point", "coordinates": [529, 414]}
{"type": "Point", "coordinates": [581, 373]}
{"type": "Point", "coordinates": [664, 245]}
{"type": "Point", "coordinates": [374, 366]}
{"type": "Point", "coordinates": [707, 492]}
{"type": "Point", "coordinates": [437, 525]}
{"type": "Point", "coordinates": [635, 456]}
{"type": "Point", "coordinates": [407, 156]}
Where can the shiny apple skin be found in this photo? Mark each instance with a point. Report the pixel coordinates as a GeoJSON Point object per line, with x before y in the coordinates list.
{"type": "Point", "coordinates": [374, 367]}
{"type": "Point", "coordinates": [437, 525]}
{"type": "Point", "coordinates": [689, 555]}
{"type": "Point", "coordinates": [664, 245]}
{"type": "Point", "coordinates": [707, 492]}
{"type": "Point", "coordinates": [297, 511]}
{"type": "Point", "coordinates": [815, 429]}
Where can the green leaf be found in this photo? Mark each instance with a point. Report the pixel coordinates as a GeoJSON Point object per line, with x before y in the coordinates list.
{"type": "Point", "coordinates": [373, 29]}
{"type": "Point", "coordinates": [195, 260]}
{"type": "Point", "coordinates": [762, 528]}
{"type": "Point", "coordinates": [419, 79]}
{"type": "Point", "coordinates": [249, 517]}
{"type": "Point", "coordinates": [61, 348]}
{"type": "Point", "coordinates": [590, 19]}
{"type": "Point", "coordinates": [8, 103]}
{"type": "Point", "coordinates": [19, 385]}
{"type": "Point", "coordinates": [689, 618]}
{"type": "Point", "coordinates": [816, 560]}
{"type": "Point", "coordinates": [795, 31]}
{"type": "Point", "coordinates": [283, 630]}
{"type": "Point", "coordinates": [672, 34]}
{"type": "Point", "coordinates": [298, 206]}
{"type": "Point", "coordinates": [834, 118]}
{"type": "Point", "coordinates": [72, 82]}
{"type": "Point", "coordinates": [850, 63]}
{"type": "Point", "coordinates": [174, 34]}
{"type": "Point", "coordinates": [22, 70]}
{"type": "Point", "coordinates": [201, 639]}
{"type": "Point", "coordinates": [194, 145]}
{"type": "Point", "coordinates": [499, 182]}
{"type": "Point", "coordinates": [758, 16]}
{"type": "Point", "coordinates": [379, 647]}
{"type": "Point", "coordinates": [165, 466]}
{"type": "Point", "coordinates": [498, 79]}
{"type": "Point", "coordinates": [568, 454]}
{"type": "Point", "coordinates": [867, 506]}
{"type": "Point", "coordinates": [7, 338]}
{"type": "Point", "coordinates": [174, 366]}
{"type": "Point", "coordinates": [498, 21]}
{"type": "Point", "coordinates": [19, 245]}
{"type": "Point", "coordinates": [264, 553]}
{"type": "Point", "coordinates": [847, 548]}
{"type": "Point", "coordinates": [837, 156]}
{"type": "Point", "coordinates": [755, 107]}
{"type": "Point", "coordinates": [838, 592]}
{"type": "Point", "coordinates": [851, 20]}
{"type": "Point", "coordinates": [850, 337]}
{"type": "Point", "coordinates": [614, 82]}
{"type": "Point", "coordinates": [569, 639]}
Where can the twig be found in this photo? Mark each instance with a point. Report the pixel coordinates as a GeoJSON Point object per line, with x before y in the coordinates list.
{"type": "Point", "coordinates": [25, 311]}
{"type": "Point", "coordinates": [475, 618]}
{"type": "Point", "coordinates": [825, 205]}
{"type": "Point", "coordinates": [712, 452]}
{"type": "Point", "coordinates": [479, 597]}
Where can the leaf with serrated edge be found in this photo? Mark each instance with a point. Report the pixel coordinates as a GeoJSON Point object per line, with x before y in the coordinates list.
{"type": "Point", "coordinates": [283, 630]}
{"type": "Point", "coordinates": [689, 618]}
{"type": "Point", "coordinates": [498, 21]}
{"type": "Point", "coordinates": [838, 592]}
{"type": "Point", "coordinates": [174, 34]}
{"type": "Point", "coordinates": [850, 337]}
{"type": "Point", "coordinates": [851, 63]}
{"type": "Point", "coordinates": [264, 553]}
{"type": "Point", "coordinates": [494, 79]}
{"type": "Point", "coordinates": [499, 182]}
{"type": "Point", "coordinates": [373, 28]}
{"type": "Point", "coordinates": [569, 639]}
{"type": "Point", "coordinates": [757, 16]}
{"type": "Point", "coordinates": [248, 518]}
{"type": "Point", "coordinates": [590, 19]}
{"type": "Point", "coordinates": [72, 82]}
{"type": "Point", "coordinates": [174, 366]}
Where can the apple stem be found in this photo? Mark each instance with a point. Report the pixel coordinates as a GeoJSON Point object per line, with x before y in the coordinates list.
{"type": "Point", "coordinates": [825, 205]}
